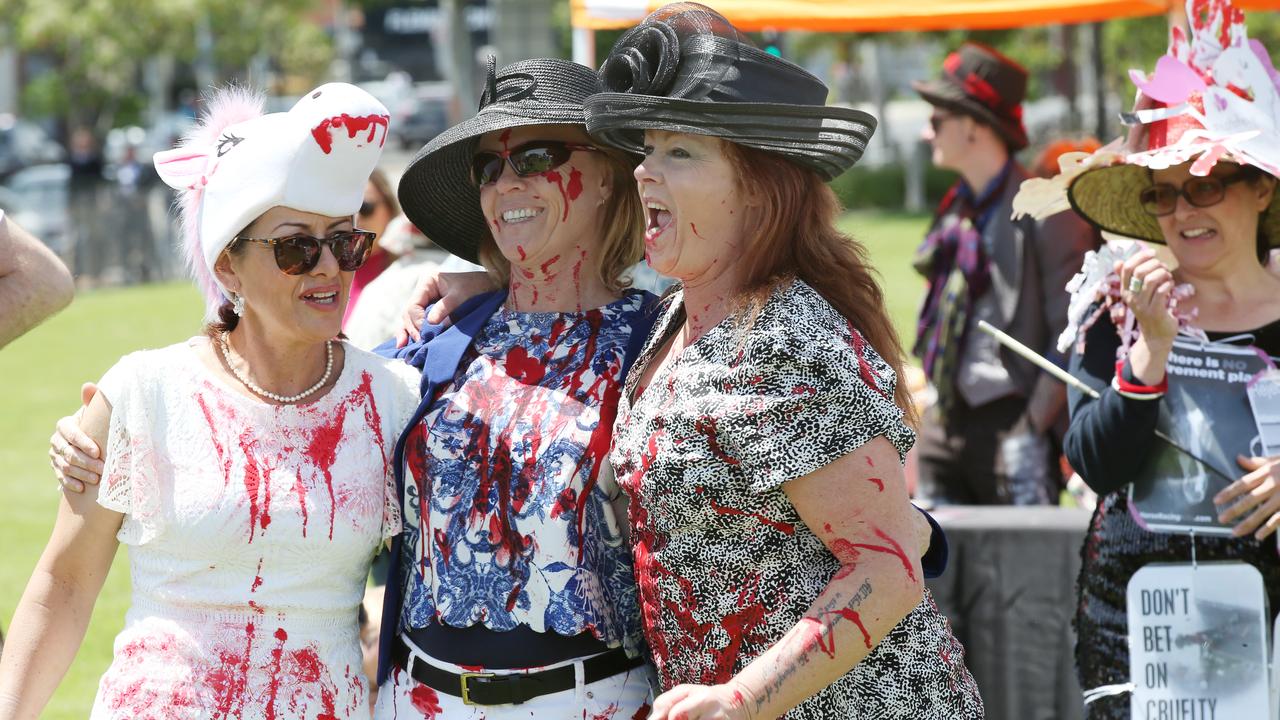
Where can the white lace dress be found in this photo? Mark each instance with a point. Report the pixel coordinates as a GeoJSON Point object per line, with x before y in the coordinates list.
{"type": "Point", "coordinates": [250, 530]}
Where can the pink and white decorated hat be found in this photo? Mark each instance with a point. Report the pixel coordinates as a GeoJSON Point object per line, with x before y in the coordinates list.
{"type": "Point", "coordinates": [237, 163]}
{"type": "Point", "coordinates": [1215, 95]}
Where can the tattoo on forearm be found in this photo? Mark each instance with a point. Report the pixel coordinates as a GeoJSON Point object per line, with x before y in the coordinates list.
{"type": "Point", "coordinates": [815, 637]}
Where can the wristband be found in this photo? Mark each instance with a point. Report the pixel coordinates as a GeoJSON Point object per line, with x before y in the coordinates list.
{"type": "Point", "coordinates": [1133, 390]}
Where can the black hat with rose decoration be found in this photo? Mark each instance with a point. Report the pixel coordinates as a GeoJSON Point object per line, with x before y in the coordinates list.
{"type": "Point", "coordinates": [980, 82]}
{"type": "Point", "coordinates": [437, 192]}
{"type": "Point", "coordinates": [687, 69]}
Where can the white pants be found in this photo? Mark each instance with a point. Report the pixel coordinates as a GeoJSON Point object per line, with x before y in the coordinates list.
{"type": "Point", "coordinates": [624, 696]}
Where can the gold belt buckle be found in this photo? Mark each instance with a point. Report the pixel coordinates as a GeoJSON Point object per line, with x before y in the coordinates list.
{"type": "Point", "coordinates": [466, 691]}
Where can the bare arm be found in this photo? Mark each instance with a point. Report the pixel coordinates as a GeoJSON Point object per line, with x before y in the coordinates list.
{"type": "Point", "coordinates": [448, 291]}
{"type": "Point", "coordinates": [861, 512]}
{"type": "Point", "coordinates": [50, 621]}
{"type": "Point", "coordinates": [34, 284]}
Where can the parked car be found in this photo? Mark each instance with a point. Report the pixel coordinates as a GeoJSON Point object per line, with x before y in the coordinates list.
{"type": "Point", "coordinates": [36, 197]}
{"type": "Point", "coordinates": [427, 116]}
{"type": "Point", "coordinates": [24, 143]}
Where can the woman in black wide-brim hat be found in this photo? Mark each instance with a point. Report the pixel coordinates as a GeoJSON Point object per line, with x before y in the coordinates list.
{"type": "Point", "coordinates": [762, 432]}
{"type": "Point", "coordinates": [513, 593]}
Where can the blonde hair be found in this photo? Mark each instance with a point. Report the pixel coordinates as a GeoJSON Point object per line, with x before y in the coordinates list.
{"type": "Point", "coordinates": [623, 237]}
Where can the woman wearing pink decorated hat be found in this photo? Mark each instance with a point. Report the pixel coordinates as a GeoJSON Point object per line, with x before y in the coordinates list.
{"type": "Point", "coordinates": [246, 468]}
{"type": "Point", "coordinates": [1198, 175]}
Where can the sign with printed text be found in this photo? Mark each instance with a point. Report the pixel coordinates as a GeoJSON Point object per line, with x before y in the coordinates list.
{"type": "Point", "coordinates": [1198, 642]}
{"type": "Point", "coordinates": [1207, 413]}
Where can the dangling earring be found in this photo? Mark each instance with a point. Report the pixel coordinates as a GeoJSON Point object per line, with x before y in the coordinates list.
{"type": "Point", "coordinates": [237, 304]}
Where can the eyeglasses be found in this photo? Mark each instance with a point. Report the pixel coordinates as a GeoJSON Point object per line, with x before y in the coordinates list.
{"type": "Point", "coordinates": [529, 159]}
{"type": "Point", "coordinates": [936, 120]}
{"type": "Point", "coordinates": [1162, 198]}
{"type": "Point", "coordinates": [298, 254]}
{"type": "Point", "coordinates": [367, 208]}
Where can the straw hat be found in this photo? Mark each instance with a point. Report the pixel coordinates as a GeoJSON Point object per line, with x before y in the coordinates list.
{"type": "Point", "coordinates": [1214, 96]}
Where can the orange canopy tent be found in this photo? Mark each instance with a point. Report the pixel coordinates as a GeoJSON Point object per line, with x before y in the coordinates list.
{"type": "Point", "coordinates": [882, 16]}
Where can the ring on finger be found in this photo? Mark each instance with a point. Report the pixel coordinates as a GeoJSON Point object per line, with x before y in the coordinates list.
{"type": "Point", "coordinates": [1135, 285]}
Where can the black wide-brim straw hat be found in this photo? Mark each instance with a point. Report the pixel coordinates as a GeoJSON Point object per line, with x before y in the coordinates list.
{"type": "Point", "coordinates": [1107, 198]}
{"type": "Point", "coordinates": [686, 69]}
{"type": "Point", "coordinates": [979, 81]}
{"type": "Point", "coordinates": [436, 191]}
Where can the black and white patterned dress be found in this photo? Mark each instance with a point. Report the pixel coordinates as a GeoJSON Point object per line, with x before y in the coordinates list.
{"type": "Point", "coordinates": [724, 564]}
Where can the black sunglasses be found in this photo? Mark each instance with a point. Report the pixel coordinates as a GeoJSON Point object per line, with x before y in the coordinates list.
{"type": "Point", "coordinates": [937, 120]}
{"type": "Point", "coordinates": [529, 159]}
{"type": "Point", "coordinates": [298, 254]}
{"type": "Point", "coordinates": [1161, 199]}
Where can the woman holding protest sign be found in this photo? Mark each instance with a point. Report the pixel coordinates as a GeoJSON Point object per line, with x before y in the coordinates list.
{"type": "Point", "coordinates": [1191, 180]}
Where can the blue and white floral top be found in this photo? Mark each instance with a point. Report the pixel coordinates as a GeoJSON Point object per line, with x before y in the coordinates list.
{"type": "Point", "coordinates": [508, 500]}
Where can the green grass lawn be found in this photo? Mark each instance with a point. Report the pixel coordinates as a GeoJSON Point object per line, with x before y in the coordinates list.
{"type": "Point", "coordinates": [42, 373]}
{"type": "Point", "coordinates": [891, 239]}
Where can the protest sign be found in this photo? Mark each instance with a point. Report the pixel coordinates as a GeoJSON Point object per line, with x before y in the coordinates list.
{"type": "Point", "coordinates": [1198, 642]}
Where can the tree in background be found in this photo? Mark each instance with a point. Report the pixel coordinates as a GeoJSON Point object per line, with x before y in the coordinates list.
{"type": "Point", "coordinates": [98, 50]}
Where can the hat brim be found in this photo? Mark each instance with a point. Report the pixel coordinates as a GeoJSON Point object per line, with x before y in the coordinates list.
{"type": "Point", "coordinates": [823, 138]}
{"type": "Point", "coordinates": [947, 95]}
{"type": "Point", "coordinates": [436, 191]}
{"type": "Point", "coordinates": [1107, 198]}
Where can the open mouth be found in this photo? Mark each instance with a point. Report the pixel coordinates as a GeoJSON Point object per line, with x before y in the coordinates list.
{"type": "Point", "coordinates": [321, 298]}
{"type": "Point", "coordinates": [1194, 234]}
{"type": "Point", "coordinates": [659, 220]}
{"type": "Point", "coordinates": [519, 215]}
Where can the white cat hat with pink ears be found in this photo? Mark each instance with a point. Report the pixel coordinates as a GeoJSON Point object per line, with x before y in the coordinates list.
{"type": "Point", "coordinates": [237, 163]}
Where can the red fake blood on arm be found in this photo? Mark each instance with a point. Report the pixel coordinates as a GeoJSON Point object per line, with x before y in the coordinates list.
{"type": "Point", "coordinates": [892, 548]}
{"type": "Point", "coordinates": [847, 614]}
{"type": "Point", "coordinates": [425, 700]}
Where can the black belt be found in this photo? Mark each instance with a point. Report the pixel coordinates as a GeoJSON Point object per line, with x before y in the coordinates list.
{"type": "Point", "coordinates": [481, 688]}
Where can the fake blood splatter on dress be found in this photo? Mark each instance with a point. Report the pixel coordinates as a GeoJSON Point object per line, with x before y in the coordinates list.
{"type": "Point", "coordinates": [323, 133]}
{"type": "Point", "coordinates": [782, 527]}
{"type": "Point", "coordinates": [263, 454]}
{"type": "Point", "coordinates": [425, 700]}
{"type": "Point", "coordinates": [865, 371]}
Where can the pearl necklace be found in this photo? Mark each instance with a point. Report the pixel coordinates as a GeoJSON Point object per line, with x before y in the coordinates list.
{"type": "Point", "coordinates": [225, 349]}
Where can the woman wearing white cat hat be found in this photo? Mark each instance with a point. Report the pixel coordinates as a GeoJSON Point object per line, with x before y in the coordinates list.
{"type": "Point", "coordinates": [246, 467]}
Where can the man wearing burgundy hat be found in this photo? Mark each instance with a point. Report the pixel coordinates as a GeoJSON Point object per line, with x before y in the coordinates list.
{"type": "Point", "coordinates": [991, 437]}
